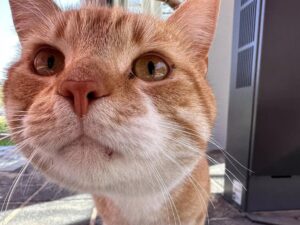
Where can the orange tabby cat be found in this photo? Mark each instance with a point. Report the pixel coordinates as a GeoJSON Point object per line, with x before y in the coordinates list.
{"type": "Point", "coordinates": [116, 104]}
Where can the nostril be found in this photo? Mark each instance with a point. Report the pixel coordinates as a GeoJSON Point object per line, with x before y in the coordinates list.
{"type": "Point", "coordinates": [91, 96]}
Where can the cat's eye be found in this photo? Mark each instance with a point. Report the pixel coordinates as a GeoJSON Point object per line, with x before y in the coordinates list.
{"type": "Point", "coordinates": [48, 61]}
{"type": "Point", "coordinates": [151, 67]}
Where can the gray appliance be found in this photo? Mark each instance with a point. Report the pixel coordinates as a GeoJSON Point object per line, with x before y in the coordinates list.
{"type": "Point", "coordinates": [264, 108]}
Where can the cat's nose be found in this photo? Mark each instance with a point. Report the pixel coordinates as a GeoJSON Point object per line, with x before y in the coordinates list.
{"type": "Point", "coordinates": [81, 94]}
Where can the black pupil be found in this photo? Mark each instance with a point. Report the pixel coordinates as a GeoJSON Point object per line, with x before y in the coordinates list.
{"type": "Point", "coordinates": [51, 61]}
{"type": "Point", "coordinates": [151, 68]}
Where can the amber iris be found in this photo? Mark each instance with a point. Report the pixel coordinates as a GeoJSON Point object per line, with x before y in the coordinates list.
{"type": "Point", "coordinates": [151, 67]}
{"type": "Point", "coordinates": [48, 62]}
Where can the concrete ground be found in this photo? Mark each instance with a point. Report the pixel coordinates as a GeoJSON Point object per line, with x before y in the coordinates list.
{"type": "Point", "coordinates": [48, 204]}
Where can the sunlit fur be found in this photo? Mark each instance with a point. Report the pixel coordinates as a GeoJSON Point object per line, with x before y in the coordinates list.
{"type": "Point", "coordinates": [157, 131]}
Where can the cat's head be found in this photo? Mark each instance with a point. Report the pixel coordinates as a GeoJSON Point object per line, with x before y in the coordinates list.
{"type": "Point", "coordinates": [103, 100]}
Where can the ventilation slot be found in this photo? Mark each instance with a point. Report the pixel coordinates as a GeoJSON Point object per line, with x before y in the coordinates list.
{"type": "Point", "coordinates": [244, 2]}
{"type": "Point", "coordinates": [247, 24]}
{"type": "Point", "coordinates": [245, 68]}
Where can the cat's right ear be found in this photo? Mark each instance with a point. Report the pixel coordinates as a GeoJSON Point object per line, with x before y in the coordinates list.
{"type": "Point", "coordinates": [196, 20]}
{"type": "Point", "coordinates": [30, 13]}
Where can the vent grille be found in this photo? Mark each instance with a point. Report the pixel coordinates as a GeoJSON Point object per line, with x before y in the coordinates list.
{"type": "Point", "coordinates": [244, 2]}
{"type": "Point", "coordinates": [245, 68]}
{"type": "Point", "coordinates": [247, 24]}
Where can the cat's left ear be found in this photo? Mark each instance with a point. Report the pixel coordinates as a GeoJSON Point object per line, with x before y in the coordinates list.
{"type": "Point", "coordinates": [27, 14]}
{"type": "Point", "coordinates": [196, 20]}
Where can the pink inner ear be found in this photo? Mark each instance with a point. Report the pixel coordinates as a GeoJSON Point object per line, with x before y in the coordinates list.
{"type": "Point", "coordinates": [196, 21]}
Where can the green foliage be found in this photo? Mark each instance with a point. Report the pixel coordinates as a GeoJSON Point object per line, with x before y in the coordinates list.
{"type": "Point", "coordinates": [3, 125]}
{"type": "Point", "coordinates": [6, 142]}
{"type": "Point", "coordinates": [4, 129]}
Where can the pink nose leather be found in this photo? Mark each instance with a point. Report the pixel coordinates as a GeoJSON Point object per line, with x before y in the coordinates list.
{"type": "Point", "coordinates": [81, 94]}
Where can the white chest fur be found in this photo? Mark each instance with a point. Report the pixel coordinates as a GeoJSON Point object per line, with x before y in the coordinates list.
{"type": "Point", "coordinates": [147, 210]}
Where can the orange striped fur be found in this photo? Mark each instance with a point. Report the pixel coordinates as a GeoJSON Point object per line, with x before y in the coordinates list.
{"type": "Point", "coordinates": [140, 151]}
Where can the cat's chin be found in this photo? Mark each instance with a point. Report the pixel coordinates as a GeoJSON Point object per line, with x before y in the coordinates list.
{"type": "Point", "coordinates": [86, 143]}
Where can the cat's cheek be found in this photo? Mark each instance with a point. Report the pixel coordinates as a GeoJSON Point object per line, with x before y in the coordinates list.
{"type": "Point", "coordinates": [24, 88]}
{"type": "Point", "coordinates": [201, 126]}
{"type": "Point", "coordinates": [52, 128]}
{"type": "Point", "coordinates": [14, 111]}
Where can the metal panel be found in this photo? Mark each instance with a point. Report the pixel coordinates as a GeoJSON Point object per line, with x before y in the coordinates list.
{"type": "Point", "coordinates": [241, 104]}
{"type": "Point", "coordinates": [276, 146]}
{"type": "Point", "coordinates": [269, 194]}
{"type": "Point", "coordinates": [264, 118]}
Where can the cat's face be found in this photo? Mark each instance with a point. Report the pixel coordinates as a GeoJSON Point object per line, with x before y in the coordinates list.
{"type": "Point", "coordinates": [106, 101]}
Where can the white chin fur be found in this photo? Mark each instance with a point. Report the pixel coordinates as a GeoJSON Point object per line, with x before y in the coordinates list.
{"type": "Point", "coordinates": [145, 160]}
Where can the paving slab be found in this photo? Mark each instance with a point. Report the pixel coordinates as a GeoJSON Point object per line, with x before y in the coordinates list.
{"type": "Point", "coordinates": [27, 186]}
{"type": "Point", "coordinates": [74, 210]}
{"type": "Point", "coordinates": [9, 160]}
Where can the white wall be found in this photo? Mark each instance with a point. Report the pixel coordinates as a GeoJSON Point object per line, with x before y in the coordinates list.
{"type": "Point", "coordinates": [220, 69]}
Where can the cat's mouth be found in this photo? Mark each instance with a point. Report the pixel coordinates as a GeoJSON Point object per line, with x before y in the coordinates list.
{"type": "Point", "coordinates": [86, 143]}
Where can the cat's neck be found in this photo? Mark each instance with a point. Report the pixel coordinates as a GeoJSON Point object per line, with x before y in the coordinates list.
{"type": "Point", "coordinates": [146, 210]}
{"type": "Point", "coordinates": [185, 205]}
